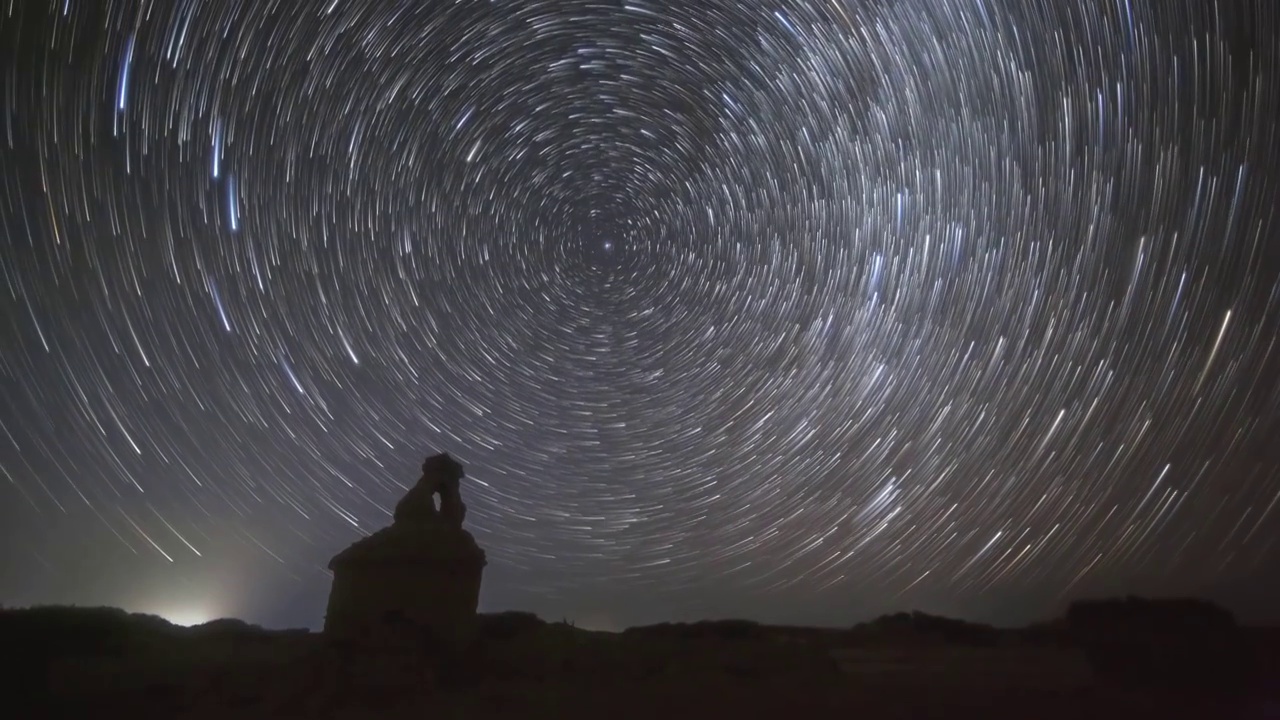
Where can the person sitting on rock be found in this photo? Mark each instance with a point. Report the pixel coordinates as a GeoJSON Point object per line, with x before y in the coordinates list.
{"type": "Point", "coordinates": [442, 475]}
{"type": "Point", "coordinates": [451, 507]}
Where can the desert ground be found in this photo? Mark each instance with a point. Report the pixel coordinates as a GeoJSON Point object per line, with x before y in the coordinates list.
{"type": "Point", "coordinates": [104, 663]}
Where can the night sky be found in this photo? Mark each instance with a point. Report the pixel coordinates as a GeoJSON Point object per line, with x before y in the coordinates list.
{"type": "Point", "coordinates": [798, 310]}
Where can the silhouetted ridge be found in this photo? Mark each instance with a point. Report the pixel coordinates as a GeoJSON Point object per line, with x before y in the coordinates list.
{"type": "Point", "coordinates": [703, 629]}
{"type": "Point", "coordinates": [1109, 654]}
{"type": "Point", "coordinates": [918, 626]}
{"type": "Point", "coordinates": [57, 630]}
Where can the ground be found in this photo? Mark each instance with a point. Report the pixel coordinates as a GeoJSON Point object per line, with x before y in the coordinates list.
{"type": "Point", "coordinates": [115, 665]}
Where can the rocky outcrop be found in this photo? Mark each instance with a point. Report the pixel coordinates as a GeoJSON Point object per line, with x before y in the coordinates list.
{"type": "Point", "coordinates": [1179, 644]}
{"type": "Point", "coordinates": [417, 580]}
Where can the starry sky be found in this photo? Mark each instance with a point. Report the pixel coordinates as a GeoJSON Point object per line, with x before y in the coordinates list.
{"type": "Point", "coordinates": [795, 310]}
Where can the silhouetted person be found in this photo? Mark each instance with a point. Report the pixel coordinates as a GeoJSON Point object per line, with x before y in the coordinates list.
{"type": "Point", "coordinates": [441, 475]}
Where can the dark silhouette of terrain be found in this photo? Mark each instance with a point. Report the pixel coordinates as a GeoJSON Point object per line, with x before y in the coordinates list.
{"type": "Point", "coordinates": [1126, 658]}
{"type": "Point", "coordinates": [403, 639]}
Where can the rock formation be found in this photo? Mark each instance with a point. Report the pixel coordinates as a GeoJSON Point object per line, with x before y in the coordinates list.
{"type": "Point", "coordinates": [419, 577]}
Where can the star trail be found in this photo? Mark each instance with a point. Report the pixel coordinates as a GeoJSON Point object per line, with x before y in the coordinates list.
{"type": "Point", "coordinates": [793, 310]}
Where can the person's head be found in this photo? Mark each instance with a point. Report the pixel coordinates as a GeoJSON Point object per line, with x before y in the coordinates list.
{"type": "Point", "coordinates": [443, 466]}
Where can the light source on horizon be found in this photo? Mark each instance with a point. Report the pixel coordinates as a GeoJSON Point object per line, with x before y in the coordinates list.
{"type": "Point", "coordinates": [187, 616]}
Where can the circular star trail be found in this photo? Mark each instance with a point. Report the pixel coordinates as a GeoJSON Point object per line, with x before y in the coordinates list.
{"type": "Point", "coordinates": [788, 310]}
